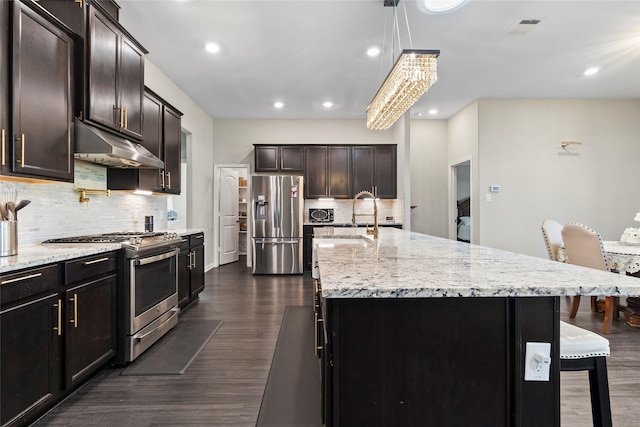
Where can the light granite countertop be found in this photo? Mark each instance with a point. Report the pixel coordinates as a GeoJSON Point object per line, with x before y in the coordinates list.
{"type": "Point", "coordinates": [46, 253]}
{"type": "Point", "coordinates": [404, 264]}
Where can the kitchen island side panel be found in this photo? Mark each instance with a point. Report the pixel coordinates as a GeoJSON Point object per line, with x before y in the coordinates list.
{"type": "Point", "coordinates": [436, 361]}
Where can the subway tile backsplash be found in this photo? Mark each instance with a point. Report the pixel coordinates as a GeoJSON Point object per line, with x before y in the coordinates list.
{"type": "Point", "coordinates": [55, 210]}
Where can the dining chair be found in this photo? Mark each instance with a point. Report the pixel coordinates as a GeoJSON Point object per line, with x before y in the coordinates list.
{"type": "Point", "coordinates": [583, 350]}
{"type": "Point", "coordinates": [584, 247]}
{"type": "Point", "coordinates": [552, 234]}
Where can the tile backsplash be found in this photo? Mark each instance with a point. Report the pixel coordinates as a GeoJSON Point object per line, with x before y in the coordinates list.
{"type": "Point", "coordinates": [343, 209]}
{"type": "Point", "coordinates": [55, 210]}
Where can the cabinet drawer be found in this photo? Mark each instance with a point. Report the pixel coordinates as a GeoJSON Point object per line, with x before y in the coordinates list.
{"type": "Point", "coordinates": [28, 283]}
{"type": "Point", "coordinates": [196, 239]}
{"type": "Point", "coordinates": [92, 266]}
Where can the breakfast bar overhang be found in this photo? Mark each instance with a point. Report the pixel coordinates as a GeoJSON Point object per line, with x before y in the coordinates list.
{"type": "Point", "coordinates": [420, 330]}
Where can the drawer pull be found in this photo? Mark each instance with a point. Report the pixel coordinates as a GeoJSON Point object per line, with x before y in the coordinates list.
{"type": "Point", "coordinates": [95, 261]}
{"type": "Point", "coordinates": [59, 327]}
{"type": "Point", "coordinates": [17, 279]}
{"type": "Point", "coordinates": [200, 236]}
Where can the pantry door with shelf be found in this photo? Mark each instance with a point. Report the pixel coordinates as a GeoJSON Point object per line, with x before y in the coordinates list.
{"type": "Point", "coordinates": [229, 208]}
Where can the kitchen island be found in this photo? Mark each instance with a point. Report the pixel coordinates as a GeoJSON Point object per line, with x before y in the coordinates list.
{"type": "Point", "coordinates": [421, 330]}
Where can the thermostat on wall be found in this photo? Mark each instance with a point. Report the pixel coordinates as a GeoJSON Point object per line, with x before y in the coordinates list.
{"type": "Point", "coordinates": [494, 188]}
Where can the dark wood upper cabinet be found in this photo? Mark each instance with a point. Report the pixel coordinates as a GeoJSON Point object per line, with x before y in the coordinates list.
{"type": "Point", "coordinates": [374, 170]}
{"type": "Point", "coordinates": [172, 132]}
{"type": "Point", "coordinates": [279, 158]}
{"type": "Point", "coordinates": [327, 171]}
{"type": "Point", "coordinates": [162, 130]}
{"type": "Point", "coordinates": [115, 76]}
{"type": "Point", "coordinates": [4, 87]}
{"type": "Point", "coordinates": [40, 141]}
{"type": "Point", "coordinates": [71, 13]}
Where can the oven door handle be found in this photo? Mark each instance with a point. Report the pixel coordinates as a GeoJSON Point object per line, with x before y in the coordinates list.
{"type": "Point", "coordinates": [149, 260]}
{"type": "Point", "coordinates": [173, 311]}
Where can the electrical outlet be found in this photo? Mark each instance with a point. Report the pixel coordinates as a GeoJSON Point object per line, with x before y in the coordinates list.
{"type": "Point", "coordinates": [537, 361]}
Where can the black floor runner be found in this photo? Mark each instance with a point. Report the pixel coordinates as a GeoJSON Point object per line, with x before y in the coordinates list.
{"type": "Point", "coordinates": [174, 352]}
{"type": "Point", "coordinates": [292, 394]}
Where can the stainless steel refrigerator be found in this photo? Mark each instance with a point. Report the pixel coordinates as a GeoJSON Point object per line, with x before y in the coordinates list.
{"type": "Point", "coordinates": [276, 224]}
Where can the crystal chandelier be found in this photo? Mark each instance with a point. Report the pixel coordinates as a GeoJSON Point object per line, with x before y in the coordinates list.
{"type": "Point", "coordinates": [413, 74]}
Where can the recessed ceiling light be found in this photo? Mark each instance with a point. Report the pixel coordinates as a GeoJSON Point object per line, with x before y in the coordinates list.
{"type": "Point", "coordinates": [212, 47]}
{"type": "Point", "coordinates": [432, 112]}
{"type": "Point", "coordinates": [327, 104]}
{"type": "Point", "coordinates": [418, 114]}
{"type": "Point", "coordinates": [441, 6]}
{"type": "Point", "coordinates": [373, 51]}
{"type": "Point", "coordinates": [278, 104]}
{"type": "Point", "coordinates": [591, 71]}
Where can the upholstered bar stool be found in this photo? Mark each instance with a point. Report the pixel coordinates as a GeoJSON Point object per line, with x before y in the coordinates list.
{"type": "Point", "coordinates": [582, 350]}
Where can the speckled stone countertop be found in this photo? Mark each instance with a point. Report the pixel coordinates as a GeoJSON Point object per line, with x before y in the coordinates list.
{"type": "Point", "coordinates": [47, 253]}
{"type": "Point", "coordinates": [403, 264]}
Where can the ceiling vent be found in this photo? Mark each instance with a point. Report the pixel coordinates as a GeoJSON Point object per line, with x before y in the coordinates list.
{"type": "Point", "coordinates": [524, 26]}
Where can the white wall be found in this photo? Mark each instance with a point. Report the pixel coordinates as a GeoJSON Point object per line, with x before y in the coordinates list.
{"type": "Point", "coordinates": [462, 145]}
{"type": "Point", "coordinates": [200, 153]}
{"type": "Point", "coordinates": [429, 177]}
{"type": "Point", "coordinates": [519, 149]}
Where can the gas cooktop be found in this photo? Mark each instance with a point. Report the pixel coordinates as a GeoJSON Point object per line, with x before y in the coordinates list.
{"type": "Point", "coordinates": [132, 240]}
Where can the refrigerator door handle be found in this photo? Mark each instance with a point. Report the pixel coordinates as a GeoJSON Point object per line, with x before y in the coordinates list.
{"type": "Point", "coordinates": [280, 242]}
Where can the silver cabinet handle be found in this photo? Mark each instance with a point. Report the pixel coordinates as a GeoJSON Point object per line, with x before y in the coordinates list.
{"type": "Point", "coordinates": [95, 261]}
{"type": "Point", "coordinates": [75, 311]}
{"type": "Point", "coordinates": [59, 327]}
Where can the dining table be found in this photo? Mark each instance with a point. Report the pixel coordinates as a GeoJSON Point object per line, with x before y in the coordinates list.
{"type": "Point", "coordinates": [623, 258]}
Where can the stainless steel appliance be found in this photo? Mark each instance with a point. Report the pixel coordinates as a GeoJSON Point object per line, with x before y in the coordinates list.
{"type": "Point", "coordinates": [320, 215]}
{"type": "Point", "coordinates": [148, 287]}
{"type": "Point", "coordinates": [276, 224]}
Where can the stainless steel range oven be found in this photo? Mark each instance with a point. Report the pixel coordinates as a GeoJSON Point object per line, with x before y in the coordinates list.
{"type": "Point", "coordinates": [147, 290]}
{"type": "Point", "coordinates": [150, 300]}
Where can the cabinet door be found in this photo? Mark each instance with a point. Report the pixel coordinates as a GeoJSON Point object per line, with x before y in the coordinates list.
{"type": "Point", "coordinates": [196, 273]}
{"type": "Point", "coordinates": [102, 100]}
{"type": "Point", "coordinates": [70, 12]}
{"type": "Point", "coordinates": [266, 159]}
{"type": "Point", "coordinates": [131, 85]}
{"type": "Point", "coordinates": [292, 158]}
{"type": "Point", "coordinates": [338, 172]}
{"type": "Point", "coordinates": [183, 277]}
{"type": "Point", "coordinates": [4, 86]}
{"type": "Point", "coordinates": [91, 327]}
{"type": "Point", "coordinates": [151, 179]}
{"type": "Point", "coordinates": [43, 97]}
{"type": "Point", "coordinates": [362, 170]}
{"type": "Point", "coordinates": [315, 172]}
{"type": "Point", "coordinates": [172, 139]}
{"type": "Point", "coordinates": [385, 179]}
{"type": "Point", "coordinates": [30, 351]}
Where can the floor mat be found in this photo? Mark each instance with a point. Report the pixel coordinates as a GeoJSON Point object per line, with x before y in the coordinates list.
{"type": "Point", "coordinates": [292, 394]}
{"type": "Point", "coordinates": [173, 354]}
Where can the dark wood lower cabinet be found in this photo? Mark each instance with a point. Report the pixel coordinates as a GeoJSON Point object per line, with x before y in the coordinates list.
{"type": "Point", "coordinates": [190, 269]}
{"type": "Point", "coordinates": [58, 325]}
{"type": "Point", "coordinates": [30, 359]}
{"type": "Point", "coordinates": [91, 328]}
{"type": "Point", "coordinates": [438, 361]}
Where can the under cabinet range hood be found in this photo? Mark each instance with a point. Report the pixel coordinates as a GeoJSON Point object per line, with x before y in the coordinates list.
{"type": "Point", "coordinates": [98, 146]}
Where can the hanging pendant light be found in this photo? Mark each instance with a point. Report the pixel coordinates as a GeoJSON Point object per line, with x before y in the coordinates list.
{"type": "Point", "coordinates": [413, 73]}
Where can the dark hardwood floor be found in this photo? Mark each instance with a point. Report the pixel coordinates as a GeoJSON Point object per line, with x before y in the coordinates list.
{"type": "Point", "coordinates": [225, 383]}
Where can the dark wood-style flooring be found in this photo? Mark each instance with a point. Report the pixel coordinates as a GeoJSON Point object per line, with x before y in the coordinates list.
{"type": "Point", "coordinates": [225, 383]}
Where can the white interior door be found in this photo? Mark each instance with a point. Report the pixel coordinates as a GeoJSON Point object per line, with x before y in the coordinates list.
{"type": "Point", "coordinates": [228, 215]}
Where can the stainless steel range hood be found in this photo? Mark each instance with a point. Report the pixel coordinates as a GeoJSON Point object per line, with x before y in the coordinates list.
{"type": "Point", "coordinates": [98, 146]}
